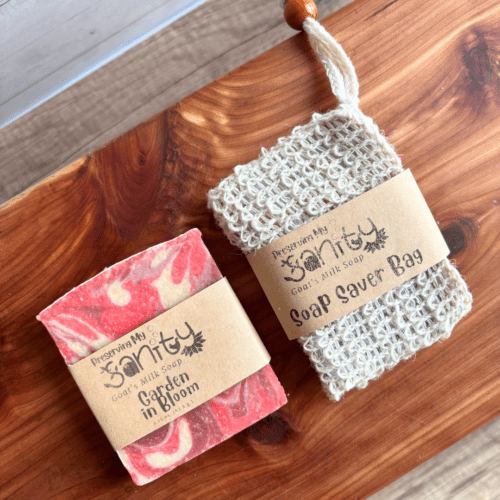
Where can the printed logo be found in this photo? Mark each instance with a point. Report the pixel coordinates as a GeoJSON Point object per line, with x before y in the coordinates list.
{"type": "Point", "coordinates": [156, 349]}
{"type": "Point", "coordinates": [311, 259]}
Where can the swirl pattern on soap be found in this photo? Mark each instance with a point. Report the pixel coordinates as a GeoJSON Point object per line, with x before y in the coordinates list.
{"type": "Point", "coordinates": [125, 296]}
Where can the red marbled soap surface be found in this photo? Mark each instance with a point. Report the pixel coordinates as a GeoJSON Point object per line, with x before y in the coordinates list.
{"type": "Point", "coordinates": [132, 292]}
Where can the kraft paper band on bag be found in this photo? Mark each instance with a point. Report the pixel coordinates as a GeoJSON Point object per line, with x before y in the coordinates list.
{"type": "Point", "coordinates": [192, 351]}
{"type": "Point", "coordinates": [318, 168]}
{"type": "Point", "coordinates": [349, 256]}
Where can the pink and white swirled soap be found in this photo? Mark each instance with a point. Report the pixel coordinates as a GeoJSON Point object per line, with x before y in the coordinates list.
{"type": "Point", "coordinates": [125, 296]}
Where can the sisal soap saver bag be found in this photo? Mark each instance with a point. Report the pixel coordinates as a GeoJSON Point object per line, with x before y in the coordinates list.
{"type": "Point", "coordinates": [335, 158]}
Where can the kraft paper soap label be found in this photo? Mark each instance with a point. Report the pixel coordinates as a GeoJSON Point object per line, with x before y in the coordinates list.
{"type": "Point", "coordinates": [349, 256]}
{"type": "Point", "coordinates": [168, 366]}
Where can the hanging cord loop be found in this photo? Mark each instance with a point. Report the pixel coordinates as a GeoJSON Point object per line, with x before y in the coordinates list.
{"type": "Point", "coordinates": [339, 67]}
{"type": "Point", "coordinates": [301, 14]}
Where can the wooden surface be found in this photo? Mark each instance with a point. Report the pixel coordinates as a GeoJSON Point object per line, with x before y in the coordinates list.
{"type": "Point", "coordinates": [467, 470]}
{"type": "Point", "coordinates": [206, 44]}
{"type": "Point", "coordinates": [436, 96]}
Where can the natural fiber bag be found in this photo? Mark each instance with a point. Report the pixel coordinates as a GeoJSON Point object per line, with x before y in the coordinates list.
{"type": "Point", "coordinates": [336, 157]}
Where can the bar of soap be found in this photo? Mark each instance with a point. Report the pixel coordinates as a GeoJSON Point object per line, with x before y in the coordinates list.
{"type": "Point", "coordinates": [125, 296]}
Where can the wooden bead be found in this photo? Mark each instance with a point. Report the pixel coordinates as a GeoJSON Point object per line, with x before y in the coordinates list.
{"type": "Point", "coordinates": [297, 10]}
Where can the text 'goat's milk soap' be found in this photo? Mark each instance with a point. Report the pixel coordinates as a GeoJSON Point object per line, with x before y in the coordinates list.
{"type": "Point", "coordinates": [357, 321]}
{"type": "Point", "coordinates": [138, 345]}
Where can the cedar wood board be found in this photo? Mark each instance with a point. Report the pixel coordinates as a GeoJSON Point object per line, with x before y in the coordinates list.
{"type": "Point", "coordinates": [429, 77]}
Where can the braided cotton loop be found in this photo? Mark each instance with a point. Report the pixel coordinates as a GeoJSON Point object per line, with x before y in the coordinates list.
{"type": "Point", "coordinates": [334, 158]}
{"type": "Point", "coordinates": [339, 68]}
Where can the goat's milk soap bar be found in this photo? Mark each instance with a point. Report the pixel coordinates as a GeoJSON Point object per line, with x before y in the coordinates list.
{"type": "Point", "coordinates": [116, 335]}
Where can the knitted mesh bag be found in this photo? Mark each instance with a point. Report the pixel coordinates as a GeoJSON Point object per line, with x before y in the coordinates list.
{"type": "Point", "coordinates": [334, 158]}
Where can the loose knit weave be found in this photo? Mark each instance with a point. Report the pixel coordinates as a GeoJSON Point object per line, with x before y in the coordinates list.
{"type": "Point", "coordinates": [336, 157]}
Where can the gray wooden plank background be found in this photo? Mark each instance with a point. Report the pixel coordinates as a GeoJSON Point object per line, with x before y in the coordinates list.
{"type": "Point", "coordinates": [48, 46]}
{"type": "Point", "coordinates": [207, 43]}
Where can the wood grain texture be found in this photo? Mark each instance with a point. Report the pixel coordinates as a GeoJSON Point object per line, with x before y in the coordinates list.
{"type": "Point", "coordinates": [216, 38]}
{"type": "Point", "coordinates": [432, 86]}
{"type": "Point", "coordinates": [470, 469]}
